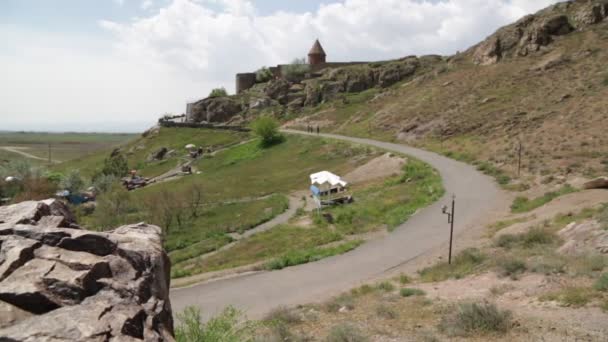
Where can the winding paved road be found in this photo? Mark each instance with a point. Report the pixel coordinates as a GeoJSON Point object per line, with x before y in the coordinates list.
{"type": "Point", "coordinates": [258, 293]}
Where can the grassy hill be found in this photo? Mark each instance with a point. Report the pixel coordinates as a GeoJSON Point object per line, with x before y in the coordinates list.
{"type": "Point", "coordinates": [239, 185]}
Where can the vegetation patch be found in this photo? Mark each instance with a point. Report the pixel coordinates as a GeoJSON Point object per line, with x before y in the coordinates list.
{"type": "Point", "coordinates": [530, 239]}
{"type": "Point", "coordinates": [467, 262]}
{"type": "Point", "coordinates": [500, 225]}
{"type": "Point", "coordinates": [572, 296]}
{"type": "Point", "coordinates": [512, 268]}
{"type": "Point", "coordinates": [228, 326]}
{"type": "Point", "coordinates": [346, 333]}
{"type": "Point", "coordinates": [408, 292]}
{"type": "Point", "coordinates": [475, 318]}
{"type": "Point", "coordinates": [523, 204]}
{"type": "Point", "coordinates": [298, 257]}
{"type": "Point", "coordinates": [602, 283]}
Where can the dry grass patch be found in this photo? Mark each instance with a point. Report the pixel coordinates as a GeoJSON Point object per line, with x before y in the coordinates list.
{"type": "Point", "coordinates": [475, 318]}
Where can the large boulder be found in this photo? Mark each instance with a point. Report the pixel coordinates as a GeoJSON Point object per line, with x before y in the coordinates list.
{"type": "Point", "coordinates": [396, 72]}
{"type": "Point", "coordinates": [591, 13]}
{"type": "Point", "coordinates": [62, 283]}
{"type": "Point", "coordinates": [215, 109]}
{"type": "Point", "coordinates": [598, 183]}
{"type": "Point", "coordinates": [277, 90]}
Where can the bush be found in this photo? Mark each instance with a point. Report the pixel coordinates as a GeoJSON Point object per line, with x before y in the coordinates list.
{"type": "Point", "coordinates": [115, 165]}
{"type": "Point", "coordinates": [268, 130]}
{"type": "Point", "coordinates": [72, 182]}
{"type": "Point", "coordinates": [471, 318]}
{"type": "Point", "coordinates": [532, 238]}
{"type": "Point", "coordinates": [512, 268]}
{"type": "Point", "coordinates": [571, 296]}
{"type": "Point", "coordinates": [103, 183]}
{"type": "Point", "coordinates": [218, 92]}
{"type": "Point", "coordinates": [296, 70]}
{"type": "Point", "coordinates": [463, 264]}
{"type": "Point", "coordinates": [523, 204]}
{"type": "Point", "coordinates": [342, 301]}
{"type": "Point", "coordinates": [386, 286]}
{"type": "Point", "coordinates": [404, 279]}
{"type": "Point", "coordinates": [385, 311]}
{"type": "Point", "coordinates": [408, 292]}
{"type": "Point", "coordinates": [228, 326]}
{"type": "Point", "coordinates": [263, 75]}
{"type": "Point", "coordinates": [602, 283]}
{"type": "Point", "coordinates": [346, 333]}
{"type": "Point", "coordinates": [283, 315]}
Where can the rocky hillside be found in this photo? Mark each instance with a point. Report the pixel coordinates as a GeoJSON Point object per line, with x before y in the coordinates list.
{"type": "Point", "coordinates": [541, 81]}
{"type": "Point", "coordinates": [61, 282]}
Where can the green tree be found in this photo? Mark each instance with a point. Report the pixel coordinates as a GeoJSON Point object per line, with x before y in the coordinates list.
{"type": "Point", "coordinates": [267, 129]}
{"type": "Point", "coordinates": [218, 92]}
{"type": "Point", "coordinates": [112, 208]}
{"type": "Point", "coordinates": [115, 166]}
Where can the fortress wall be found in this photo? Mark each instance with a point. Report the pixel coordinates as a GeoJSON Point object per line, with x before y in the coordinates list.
{"type": "Point", "coordinates": [244, 81]}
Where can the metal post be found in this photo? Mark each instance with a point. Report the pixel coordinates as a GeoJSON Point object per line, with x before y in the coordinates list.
{"type": "Point", "coordinates": [451, 218]}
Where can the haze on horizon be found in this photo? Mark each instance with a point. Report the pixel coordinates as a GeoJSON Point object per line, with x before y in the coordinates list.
{"type": "Point", "coordinates": [117, 65]}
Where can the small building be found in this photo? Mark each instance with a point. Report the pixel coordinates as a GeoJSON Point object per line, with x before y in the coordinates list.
{"type": "Point", "coordinates": [328, 188]}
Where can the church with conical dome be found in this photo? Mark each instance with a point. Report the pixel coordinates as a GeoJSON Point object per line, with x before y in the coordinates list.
{"type": "Point", "coordinates": [317, 61]}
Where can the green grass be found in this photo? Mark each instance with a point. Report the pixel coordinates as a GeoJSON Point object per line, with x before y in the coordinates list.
{"type": "Point", "coordinates": [500, 225]}
{"type": "Point", "coordinates": [263, 246]}
{"type": "Point", "coordinates": [408, 292]}
{"type": "Point", "coordinates": [512, 267]}
{"type": "Point", "coordinates": [389, 202]}
{"type": "Point", "coordinates": [602, 283]}
{"type": "Point", "coordinates": [64, 146]}
{"type": "Point", "coordinates": [475, 318]}
{"type": "Point", "coordinates": [138, 150]}
{"type": "Point", "coordinates": [467, 262]}
{"type": "Point", "coordinates": [297, 257]}
{"type": "Point", "coordinates": [523, 204]}
{"type": "Point", "coordinates": [248, 171]}
{"type": "Point", "coordinates": [572, 296]}
{"type": "Point", "coordinates": [227, 218]}
{"type": "Point", "coordinates": [530, 239]}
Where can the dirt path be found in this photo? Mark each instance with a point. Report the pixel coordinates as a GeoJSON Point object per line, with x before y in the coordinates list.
{"type": "Point", "coordinates": [477, 197]}
{"type": "Point", "coordinates": [18, 150]}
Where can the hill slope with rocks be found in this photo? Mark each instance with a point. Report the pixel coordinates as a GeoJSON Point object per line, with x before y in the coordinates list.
{"type": "Point", "coordinates": [61, 282]}
{"type": "Point", "coordinates": [541, 81]}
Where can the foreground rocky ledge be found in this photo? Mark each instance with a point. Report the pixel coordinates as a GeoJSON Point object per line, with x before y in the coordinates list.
{"type": "Point", "coordinates": [59, 282]}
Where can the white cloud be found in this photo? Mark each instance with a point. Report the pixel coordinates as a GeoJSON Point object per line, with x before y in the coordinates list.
{"type": "Point", "coordinates": [158, 62]}
{"type": "Point", "coordinates": [146, 4]}
{"type": "Point", "coordinates": [119, 2]}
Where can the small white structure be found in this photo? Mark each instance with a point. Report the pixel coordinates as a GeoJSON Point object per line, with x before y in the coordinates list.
{"type": "Point", "coordinates": [325, 183]}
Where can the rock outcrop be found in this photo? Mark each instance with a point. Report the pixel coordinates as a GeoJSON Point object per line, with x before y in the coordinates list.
{"type": "Point", "coordinates": [534, 32]}
{"type": "Point", "coordinates": [215, 109]}
{"type": "Point", "coordinates": [59, 282]}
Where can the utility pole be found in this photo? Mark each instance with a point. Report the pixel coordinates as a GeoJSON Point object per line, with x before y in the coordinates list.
{"type": "Point", "coordinates": [451, 222]}
{"type": "Point", "coordinates": [50, 159]}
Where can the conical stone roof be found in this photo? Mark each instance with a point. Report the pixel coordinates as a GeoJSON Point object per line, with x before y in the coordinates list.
{"type": "Point", "coordinates": [317, 49]}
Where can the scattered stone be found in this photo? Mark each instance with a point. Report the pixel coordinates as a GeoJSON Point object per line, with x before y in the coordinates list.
{"type": "Point", "coordinates": [598, 183]}
{"type": "Point", "coordinates": [583, 238]}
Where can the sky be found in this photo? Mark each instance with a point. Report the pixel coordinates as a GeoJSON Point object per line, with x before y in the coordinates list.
{"type": "Point", "coordinates": [118, 65]}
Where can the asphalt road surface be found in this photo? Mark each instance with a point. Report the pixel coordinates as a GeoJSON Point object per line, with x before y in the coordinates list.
{"type": "Point", "coordinates": [258, 293]}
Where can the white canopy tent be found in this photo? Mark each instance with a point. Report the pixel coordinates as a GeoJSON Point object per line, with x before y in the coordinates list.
{"type": "Point", "coordinates": [326, 182]}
